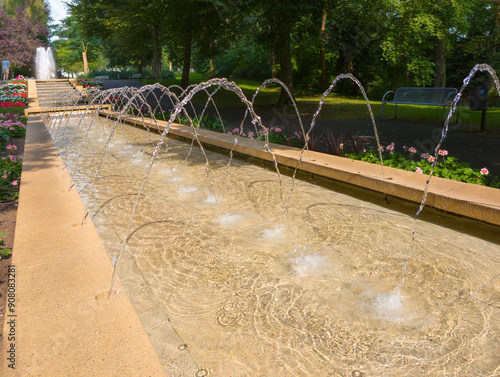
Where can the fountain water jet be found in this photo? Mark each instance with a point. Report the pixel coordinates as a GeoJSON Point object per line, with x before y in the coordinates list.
{"type": "Point", "coordinates": [45, 64]}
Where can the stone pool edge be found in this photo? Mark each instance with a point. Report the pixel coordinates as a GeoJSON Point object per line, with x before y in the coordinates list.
{"type": "Point", "coordinates": [465, 199]}
{"type": "Point", "coordinates": [58, 269]}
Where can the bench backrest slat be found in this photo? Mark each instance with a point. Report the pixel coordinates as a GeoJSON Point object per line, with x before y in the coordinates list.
{"type": "Point", "coordinates": [423, 95]}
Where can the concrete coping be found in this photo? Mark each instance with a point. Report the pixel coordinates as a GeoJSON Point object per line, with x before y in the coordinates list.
{"type": "Point", "coordinates": [32, 96]}
{"type": "Point", "coordinates": [459, 198]}
{"type": "Point", "coordinates": [75, 84]}
{"type": "Point", "coordinates": [63, 109]}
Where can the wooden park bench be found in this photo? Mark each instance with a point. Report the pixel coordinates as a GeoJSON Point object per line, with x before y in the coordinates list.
{"type": "Point", "coordinates": [422, 96]}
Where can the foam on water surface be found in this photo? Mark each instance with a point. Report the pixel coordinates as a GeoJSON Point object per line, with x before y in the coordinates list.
{"type": "Point", "coordinates": [309, 265]}
{"type": "Point", "coordinates": [230, 219]}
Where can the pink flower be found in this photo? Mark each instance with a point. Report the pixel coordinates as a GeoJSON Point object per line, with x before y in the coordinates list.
{"type": "Point", "coordinates": [412, 150]}
{"type": "Point", "coordinates": [431, 159]}
{"type": "Point", "coordinates": [11, 146]}
{"type": "Point", "coordinates": [419, 171]}
{"type": "Point", "coordinates": [236, 130]}
{"type": "Point", "coordinates": [485, 171]}
{"type": "Point", "coordinates": [278, 129]}
{"type": "Point", "coordinates": [423, 155]}
{"type": "Point", "coordinates": [250, 134]}
{"type": "Point", "coordinates": [14, 183]}
{"type": "Point", "coordinates": [443, 152]}
{"type": "Point", "coordinates": [390, 147]}
{"type": "Point", "coordinates": [4, 176]}
{"type": "Point", "coordinates": [364, 150]}
{"type": "Point", "coordinates": [229, 133]}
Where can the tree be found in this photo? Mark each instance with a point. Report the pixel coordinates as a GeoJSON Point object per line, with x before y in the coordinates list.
{"type": "Point", "coordinates": [479, 45]}
{"type": "Point", "coordinates": [19, 38]}
{"type": "Point", "coordinates": [279, 19]}
{"type": "Point", "coordinates": [37, 11]}
{"type": "Point", "coordinates": [68, 48]}
{"type": "Point", "coordinates": [417, 39]}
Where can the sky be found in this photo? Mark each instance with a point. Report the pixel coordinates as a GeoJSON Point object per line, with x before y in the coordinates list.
{"type": "Point", "coordinates": [57, 10]}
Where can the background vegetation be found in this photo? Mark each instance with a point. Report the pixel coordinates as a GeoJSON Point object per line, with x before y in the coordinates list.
{"type": "Point", "coordinates": [385, 43]}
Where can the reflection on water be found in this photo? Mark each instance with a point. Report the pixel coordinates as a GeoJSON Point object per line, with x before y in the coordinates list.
{"type": "Point", "coordinates": [226, 289]}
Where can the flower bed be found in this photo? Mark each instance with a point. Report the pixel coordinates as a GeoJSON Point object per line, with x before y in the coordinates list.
{"type": "Point", "coordinates": [14, 94]}
{"type": "Point", "coordinates": [275, 135]}
{"type": "Point", "coordinates": [90, 88]}
{"type": "Point", "coordinates": [11, 126]}
{"type": "Point", "coordinates": [90, 83]}
{"type": "Point", "coordinates": [445, 167]}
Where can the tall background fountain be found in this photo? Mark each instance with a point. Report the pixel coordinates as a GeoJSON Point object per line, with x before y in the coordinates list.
{"type": "Point", "coordinates": [45, 64]}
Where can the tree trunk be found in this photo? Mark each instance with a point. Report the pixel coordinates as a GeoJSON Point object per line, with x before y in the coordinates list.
{"type": "Point", "coordinates": [285, 56]}
{"type": "Point", "coordinates": [187, 60]}
{"type": "Point", "coordinates": [139, 66]}
{"type": "Point", "coordinates": [349, 57]}
{"type": "Point", "coordinates": [274, 62]}
{"type": "Point", "coordinates": [211, 72]}
{"type": "Point", "coordinates": [496, 30]}
{"type": "Point", "coordinates": [156, 53]}
{"type": "Point", "coordinates": [85, 63]}
{"type": "Point", "coordinates": [322, 50]}
{"type": "Point", "coordinates": [439, 64]}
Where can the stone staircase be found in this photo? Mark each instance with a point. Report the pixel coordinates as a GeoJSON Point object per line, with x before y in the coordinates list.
{"type": "Point", "coordinates": [47, 90]}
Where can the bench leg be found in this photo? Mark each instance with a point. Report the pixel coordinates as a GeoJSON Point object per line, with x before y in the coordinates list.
{"type": "Point", "coordinates": [396, 112]}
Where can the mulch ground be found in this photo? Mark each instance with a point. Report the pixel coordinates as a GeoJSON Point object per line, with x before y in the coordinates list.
{"type": "Point", "coordinates": [8, 216]}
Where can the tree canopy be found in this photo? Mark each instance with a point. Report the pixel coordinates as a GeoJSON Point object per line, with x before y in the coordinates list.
{"type": "Point", "coordinates": [20, 37]}
{"type": "Point", "coordinates": [385, 43]}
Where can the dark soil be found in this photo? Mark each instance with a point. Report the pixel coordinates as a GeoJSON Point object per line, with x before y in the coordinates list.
{"type": "Point", "coordinates": [8, 216]}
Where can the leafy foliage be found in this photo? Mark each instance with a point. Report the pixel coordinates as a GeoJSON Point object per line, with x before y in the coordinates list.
{"type": "Point", "coordinates": [4, 252]}
{"type": "Point", "coordinates": [11, 125]}
{"type": "Point", "coordinates": [19, 38]}
{"type": "Point", "coordinates": [446, 167]}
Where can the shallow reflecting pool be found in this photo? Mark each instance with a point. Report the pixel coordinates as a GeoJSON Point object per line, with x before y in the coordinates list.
{"type": "Point", "coordinates": [230, 281]}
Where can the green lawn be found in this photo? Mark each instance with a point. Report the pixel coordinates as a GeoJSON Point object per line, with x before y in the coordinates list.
{"type": "Point", "coordinates": [339, 107]}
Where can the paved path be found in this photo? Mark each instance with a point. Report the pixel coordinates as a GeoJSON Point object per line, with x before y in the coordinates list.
{"type": "Point", "coordinates": [480, 151]}
{"type": "Point", "coordinates": [61, 323]}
